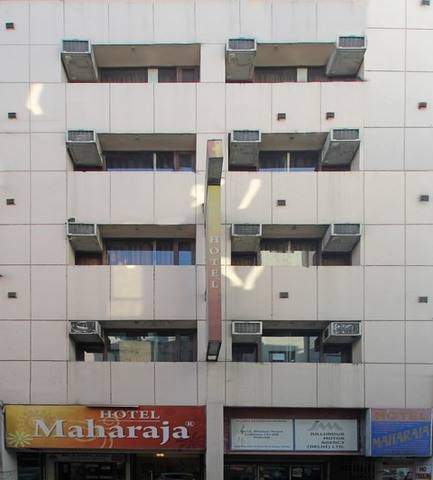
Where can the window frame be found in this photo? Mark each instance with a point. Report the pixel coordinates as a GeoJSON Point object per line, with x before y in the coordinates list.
{"type": "Point", "coordinates": [80, 347]}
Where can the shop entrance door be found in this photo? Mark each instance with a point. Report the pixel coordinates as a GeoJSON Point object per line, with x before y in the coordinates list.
{"type": "Point", "coordinates": [90, 471]}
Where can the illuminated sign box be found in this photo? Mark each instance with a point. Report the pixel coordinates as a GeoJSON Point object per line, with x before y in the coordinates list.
{"type": "Point", "coordinates": [80, 427]}
{"type": "Point", "coordinates": [399, 432]}
{"type": "Point", "coordinates": [294, 435]}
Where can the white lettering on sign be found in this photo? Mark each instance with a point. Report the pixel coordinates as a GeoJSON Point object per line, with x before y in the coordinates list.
{"type": "Point", "coordinates": [261, 434]}
{"type": "Point", "coordinates": [89, 429]}
{"type": "Point", "coordinates": [326, 435]}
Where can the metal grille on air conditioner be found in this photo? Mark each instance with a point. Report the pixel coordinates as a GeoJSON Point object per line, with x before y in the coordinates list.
{"type": "Point", "coordinates": [73, 46]}
{"type": "Point", "coordinates": [246, 136]}
{"type": "Point", "coordinates": [85, 332]}
{"type": "Point", "coordinates": [248, 230]}
{"type": "Point", "coordinates": [247, 328]}
{"type": "Point", "coordinates": [346, 229]}
{"type": "Point", "coordinates": [76, 229]}
{"type": "Point", "coordinates": [241, 44]}
{"type": "Point", "coordinates": [345, 134]}
{"type": "Point", "coordinates": [81, 136]}
{"type": "Point", "coordinates": [351, 42]}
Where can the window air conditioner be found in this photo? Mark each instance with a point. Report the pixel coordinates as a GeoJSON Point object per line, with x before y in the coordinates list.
{"type": "Point", "coordinates": [247, 332]}
{"type": "Point", "coordinates": [341, 332]}
{"type": "Point", "coordinates": [340, 147]}
{"type": "Point", "coordinates": [246, 237]}
{"type": "Point", "coordinates": [77, 58]}
{"type": "Point", "coordinates": [341, 237]}
{"type": "Point", "coordinates": [84, 237]}
{"type": "Point", "coordinates": [85, 332]}
{"type": "Point", "coordinates": [84, 149]}
{"type": "Point", "coordinates": [240, 54]}
{"type": "Point", "coordinates": [347, 57]}
{"type": "Point", "coordinates": [245, 148]}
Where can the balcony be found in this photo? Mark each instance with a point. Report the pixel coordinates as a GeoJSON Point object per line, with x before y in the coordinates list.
{"type": "Point", "coordinates": [294, 385]}
{"type": "Point", "coordinates": [135, 292]}
{"type": "Point", "coordinates": [313, 294]}
{"type": "Point", "coordinates": [247, 60]}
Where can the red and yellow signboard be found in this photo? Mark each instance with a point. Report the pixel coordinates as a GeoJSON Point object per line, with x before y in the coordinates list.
{"type": "Point", "coordinates": [80, 427]}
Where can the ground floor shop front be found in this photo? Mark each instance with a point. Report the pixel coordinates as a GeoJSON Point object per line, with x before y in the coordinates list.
{"type": "Point", "coordinates": [197, 443]}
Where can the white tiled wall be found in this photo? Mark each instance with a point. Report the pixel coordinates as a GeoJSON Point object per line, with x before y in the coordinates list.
{"type": "Point", "coordinates": [395, 169]}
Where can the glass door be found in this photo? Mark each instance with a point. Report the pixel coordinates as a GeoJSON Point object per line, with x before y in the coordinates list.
{"type": "Point", "coordinates": [306, 472]}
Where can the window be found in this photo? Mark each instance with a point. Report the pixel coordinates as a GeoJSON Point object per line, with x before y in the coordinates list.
{"type": "Point", "coordinates": [291, 347]}
{"type": "Point", "coordinates": [150, 252]}
{"type": "Point", "coordinates": [142, 346]}
{"type": "Point", "coordinates": [118, 161]}
{"type": "Point", "coordinates": [84, 258]}
{"type": "Point", "coordinates": [275, 74]}
{"type": "Point", "coordinates": [244, 259]}
{"type": "Point", "coordinates": [149, 161]}
{"type": "Point", "coordinates": [244, 352]}
{"type": "Point", "coordinates": [123, 75]}
{"type": "Point", "coordinates": [178, 74]}
{"type": "Point", "coordinates": [301, 161]}
{"type": "Point", "coordinates": [273, 161]}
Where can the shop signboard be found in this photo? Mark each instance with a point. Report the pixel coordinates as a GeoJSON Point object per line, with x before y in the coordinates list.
{"type": "Point", "coordinates": [399, 432]}
{"type": "Point", "coordinates": [80, 427]}
{"type": "Point", "coordinates": [261, 434]}
{"type": "Point", "coordinates": [298, 435]}
{"type": "Point", "coordinates": [423, 472]}
{"type": "Point", "coordinates": [326, 435]}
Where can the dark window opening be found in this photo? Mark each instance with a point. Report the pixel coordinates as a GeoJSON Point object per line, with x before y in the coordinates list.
{"type": "Point", "coordinates": [275, 74]}
{"type": "Point", "coordinates": [336, 259]}
{"type": "Point", "coordinates": [307, 161]}
{"type": "Point", "coordinates": [149, 161]}
{"type": "Point", "coordinates": [30, 466]}
{"type": "Point", "coordinates": [119, 161]}
{"type": "Point", "coordinates": [244, 352]}
{"type": "Point", "coordinates": [150, 252]}
{"type": "Point", "coordinates": [272, 161]}
{"type": "Point", "coordinates": [84, 258]}
{"type": "Point", "coordinates": [244, 259]}
{"type": "Point", "coordinates": [123, 75]}
{"type": "Point", "coordinates": [178, 74]}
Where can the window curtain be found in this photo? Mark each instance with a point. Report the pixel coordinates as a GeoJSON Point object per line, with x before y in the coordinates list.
{"type": "Point", "coordinates": [129, 160]}
{"type": "Point", "coordinates": [275, 74]}
{"type": "Point", "coordinates": [123, 75]}
{"type": "Point", "coordinates": [130, 252]}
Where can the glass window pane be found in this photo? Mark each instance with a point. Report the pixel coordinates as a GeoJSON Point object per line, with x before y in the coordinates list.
{"type": "Point", "coordinates": [167, 75]}
{"type": "Point", "coordinates": [244, 352]}
{"type": "Point", "coordinates": [186, 162]}
{"type": "Point", "coordinates": [186, 348]}
{"type": "Point", "coordinates": [304, 161]}
{"type": "Point", "coordinates": [118, 161]}
{"type": "Point", "coordinates": [275, 74]}
{"type": "Point", "coordinates": [185, 252]}
{"type": "Point", "coordinates": [165, 348]}
{"type": "Point", "coordinates": [129, 348]}
{"type": "Point", "coordinates": [129, 252]}
{"type": "Point", "coordinates": [165, 160]}
{"type": "Point", "coordinates": [164, 253]}
{"type": "Point", "coordinates": [123, 74]}
{"type": "Point", "coordinates": [273, 161]}
{"type": "Point", "coordinates": [288, 349]}
{"type": "Point", "coordinates": [190, 74]}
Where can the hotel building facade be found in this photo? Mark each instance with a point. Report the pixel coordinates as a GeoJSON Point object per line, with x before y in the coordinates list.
{"type": "Point", "coordinates": [216, 229]}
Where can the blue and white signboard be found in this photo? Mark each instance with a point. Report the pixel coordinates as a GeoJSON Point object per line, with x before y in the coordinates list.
{"type": "Point", "coordinates": [399, 432]}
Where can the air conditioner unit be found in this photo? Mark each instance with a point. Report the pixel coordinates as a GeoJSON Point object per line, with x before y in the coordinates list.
{"type": "Point", "coordinates": [78, 61]}
{"type": "Point", "coordinates": [247, 332]}
{"type": "Point", "coordinates": [347, 57]}
{"type": "Point", "coordinates": [340, 147]}
{"type": "Point", "coordinates": [341, 332]}
{"type": "Point", "coordinates": [84, 237]}
{"type": "Point", "coordinates": [245, 148]}
{"type": "Point", "coordinates": [85, 332]}
{"type": "Point", "coordinates": [341, 237]}
{"type": "Point", "coordinates": [84, 149]}
{"type": "Point", "coordinates": [240, 55]}
{"type": "Point", "coordinates": [246, 237]}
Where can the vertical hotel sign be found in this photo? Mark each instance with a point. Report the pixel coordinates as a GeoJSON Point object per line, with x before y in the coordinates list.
{"type": "Point", "coordinates": [213, 247]}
